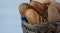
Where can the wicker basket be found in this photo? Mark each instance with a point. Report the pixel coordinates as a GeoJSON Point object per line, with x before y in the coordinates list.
{"type": "Point", "coordinates": [51, 27]}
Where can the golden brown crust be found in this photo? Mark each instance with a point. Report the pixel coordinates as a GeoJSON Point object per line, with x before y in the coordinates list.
{"type": "Point", "coordinates": [33, 17]}
{"type": "Point", "coordinates": [31, 13]}
{"type": "Point", "coordinates": [22, 8]}
{"type": "Point", "coordinates": [53, 13]}
{"type": "Point", "coordinates": [39, 6]}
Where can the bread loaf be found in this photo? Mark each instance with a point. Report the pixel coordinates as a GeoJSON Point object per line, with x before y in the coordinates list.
{"type": "Point", "coordinates": [22, 8]}
{"type": "Point", "coordinates": [33, 17]}
{"type": "Point", "coordinates": [39, 6]}
{"type": "Point", "coordinates": [53, 12]}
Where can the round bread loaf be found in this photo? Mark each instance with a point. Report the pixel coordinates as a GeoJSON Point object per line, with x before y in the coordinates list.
{"type": "Point", "coordinates": [22, 8]}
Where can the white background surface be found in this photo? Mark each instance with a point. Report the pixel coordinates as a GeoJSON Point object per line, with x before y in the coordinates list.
{"type": "Point", "coordinates": [10, 21]}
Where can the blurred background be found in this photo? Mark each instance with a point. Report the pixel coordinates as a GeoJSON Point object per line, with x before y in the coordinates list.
{"type": "Point", "coordinates": [10, 19]}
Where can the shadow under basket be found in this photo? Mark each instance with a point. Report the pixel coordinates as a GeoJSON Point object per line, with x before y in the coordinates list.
{"type": "Point", "coordinates": [45, 27]}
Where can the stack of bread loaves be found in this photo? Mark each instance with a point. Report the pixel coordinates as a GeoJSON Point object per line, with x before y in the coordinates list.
{"type": "Point", "coordinates": [38, 11]}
